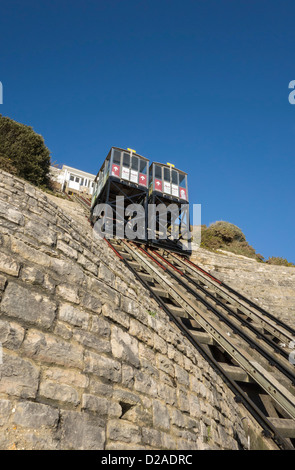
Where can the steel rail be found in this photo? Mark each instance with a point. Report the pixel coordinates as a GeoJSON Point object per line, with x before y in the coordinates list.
{"type": "Point", "coordinates": [272, 386]}
{"type": "Point", "coordinates": [269, 430]}
{"type": "Point", "coordinates": [279, 331]}
{"type": "Point", "coordinates": [287, 369]}
{"type": "Point", "coordinates": [252, 304]}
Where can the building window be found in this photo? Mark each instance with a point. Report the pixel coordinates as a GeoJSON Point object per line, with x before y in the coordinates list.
{"type": "Point", "coordinates": [71, 178]}
{"type": "Point", "coordinates": [77, 179]}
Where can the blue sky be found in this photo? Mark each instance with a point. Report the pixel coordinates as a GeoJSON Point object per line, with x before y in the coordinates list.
{"type": "Point", "coordinates": [202, 84]}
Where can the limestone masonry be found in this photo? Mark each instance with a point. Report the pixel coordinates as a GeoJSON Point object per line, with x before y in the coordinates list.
{"type": "Point", "coordinates": [271, 287]}
{"type": "Point", "coordinates": [89, 359]}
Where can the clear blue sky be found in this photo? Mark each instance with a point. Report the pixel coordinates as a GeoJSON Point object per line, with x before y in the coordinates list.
{"type": "Point", "coordinates": [202, 84]}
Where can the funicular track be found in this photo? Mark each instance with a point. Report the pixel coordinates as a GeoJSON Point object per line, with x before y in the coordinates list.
{"type": "Point", "coordinates": [239, 339]}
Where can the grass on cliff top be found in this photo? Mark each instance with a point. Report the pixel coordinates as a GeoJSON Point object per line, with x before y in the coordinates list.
{"type": "Point", "coordinates": [226, 236]}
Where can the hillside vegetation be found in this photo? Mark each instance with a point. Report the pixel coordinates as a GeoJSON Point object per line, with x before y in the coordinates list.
{"type": "Point", "coordinates": [23, 152]}
{"type": "Point", "coordinates": [226, 236]}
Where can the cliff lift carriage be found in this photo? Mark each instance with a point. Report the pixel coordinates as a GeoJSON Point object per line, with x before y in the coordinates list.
{"type": "Point", "coordinates": [121, 182]}
{"type": "Point", "coordinates": [168, 195]}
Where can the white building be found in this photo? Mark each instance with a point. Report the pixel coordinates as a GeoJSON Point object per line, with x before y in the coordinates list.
{"type": "Point", "coordinates": [71, 180]}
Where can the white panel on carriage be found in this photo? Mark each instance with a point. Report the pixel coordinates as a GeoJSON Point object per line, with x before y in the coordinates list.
{"type": "Point", "coordinates": [167, 184]}
{"type": "Point", "coordinates": [174, 190]}
{"type": "Point", "coordinates": [126, 167]}
{"type": "Point", "coordinates": [167, 187]}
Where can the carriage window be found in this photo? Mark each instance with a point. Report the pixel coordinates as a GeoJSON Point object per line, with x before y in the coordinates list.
{"type": "Point", "coordinates": [158, 172]}
{"type": "Point", "coordinates": [106, 168]}
{"type": "Point", "coordinates": [134, 164]}
{"type": "Point", "coordinates": [116, 157]}
{"type": "Point", "coordinates": [126, 160]}
{"type": "Point", "coordinates": [174, 177]}
{"type": "Point", "coordinates": [142, 167]}
{"type": "Point", "coordinates": [166, 174]}
{"type": "Point", "coordinates": [182, 180]}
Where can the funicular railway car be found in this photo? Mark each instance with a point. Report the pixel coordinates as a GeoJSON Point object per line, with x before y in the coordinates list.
{"type": "Point", "coordinates": [168, 190]}
{"type": "Point", "coordinates": [121, 182]}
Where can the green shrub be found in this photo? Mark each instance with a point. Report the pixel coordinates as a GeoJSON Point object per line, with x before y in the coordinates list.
{"type": "Point", "coordinates": [23, 152]}
{"type": "Point", "coordinates": [223, 235]}
{"type": "Point", "coordinates": [279, 261]}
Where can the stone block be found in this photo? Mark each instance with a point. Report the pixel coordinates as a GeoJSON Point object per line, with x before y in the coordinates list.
{"type": "Point", "coordinates": [181, 375]}
{"type": "Point", "coordinates": [123, 431]}
{"type": "Point", "coordinates": [167, 394]}
{"type": "Point", "coordinates": [102, 366]}
{"type": "Point", "coordinates": [59, 392]}
{"type": "Point", "coordinates": [161, 418]}
{"type": "Point", "coordinates": [35, 415]}
{"type": "Point", "coordinates": [5, 411]}
{"type": "Point", "coordinates": [67, 249]}
{"type": "Point", "coordinates": [97, 387]}
{"type": "Point", "coordinates": [68, 377]}
{"type": "Point", "coordinates": [99, 288]}
{"type": "Point", "coordinates": [152, 437]}
{"type": "Point", "coordinates": [124, 346]}
{"type": "Point", "coordinates": [18, 377]}
{"type": "Point", "coordinates": [160, 344]}
{"type": "Point", "coordinates": [11, 214]}
{"type": "Point", "coordinates": [100, 326]}
{"type": "Point", "coordinates": [117, 316]}
{"type": "Point", "coordinates": [182, 398]}
{"type": "Point", "coordinates": [165, 364]}
{"type": "Point", "coordinates": [87, 264]}
{"type": "Point", "coordinates": [79, 431]}
{"type": "Point", "coordinates": [68, 292]}
{"type": "Point", "coordinates": [141, 332]}
{"type": "Point", "coordinates": [27, 305]}
{"type": "Point", "coordinates": [11, 334]}
{"type": "Point", "coordinates": [91, 303]}
{"type": "Point", "coordinates": [127, 376]}
{"type": "Point", "coordinates": [194, 404]}
{"type": "Point", "coordinates": [106, 274]}
{"type": "Point", "coordinates": [29, 253]}
{"type": "Point", "coordinates": [67, 269]}
{"type": "Point", "coordinates": [49, 349]}
{"type": "Point", "coordinates": [73, 315]}
{"type": "Point", "coordinates": [41, 232]}
{"type": "Point", "coordinates": [8, 265]}
{"type": "Point", "coordinates": [33, 275]}
{"type": "Point", "coordinates": [63, 330]}
{"type": "Point", "coordinates": [3, 282]}
{"type": "Point", "coordinates": [100, 405]}
{"type": "Point", "coordinates": [91, 340]}
{"type": "Point", "coordinates": [144, 383]}
{"type": "Point", "coordinates": [139, 415]}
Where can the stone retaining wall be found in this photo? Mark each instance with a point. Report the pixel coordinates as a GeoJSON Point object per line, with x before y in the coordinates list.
{"type": "Point", "coordinates": [272, 287]}
{"type": "Point", "coordinates": [89, 359]}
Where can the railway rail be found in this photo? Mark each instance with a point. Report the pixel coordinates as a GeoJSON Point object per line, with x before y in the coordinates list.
{"type": "Point", "coordinates": [247, 345]}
